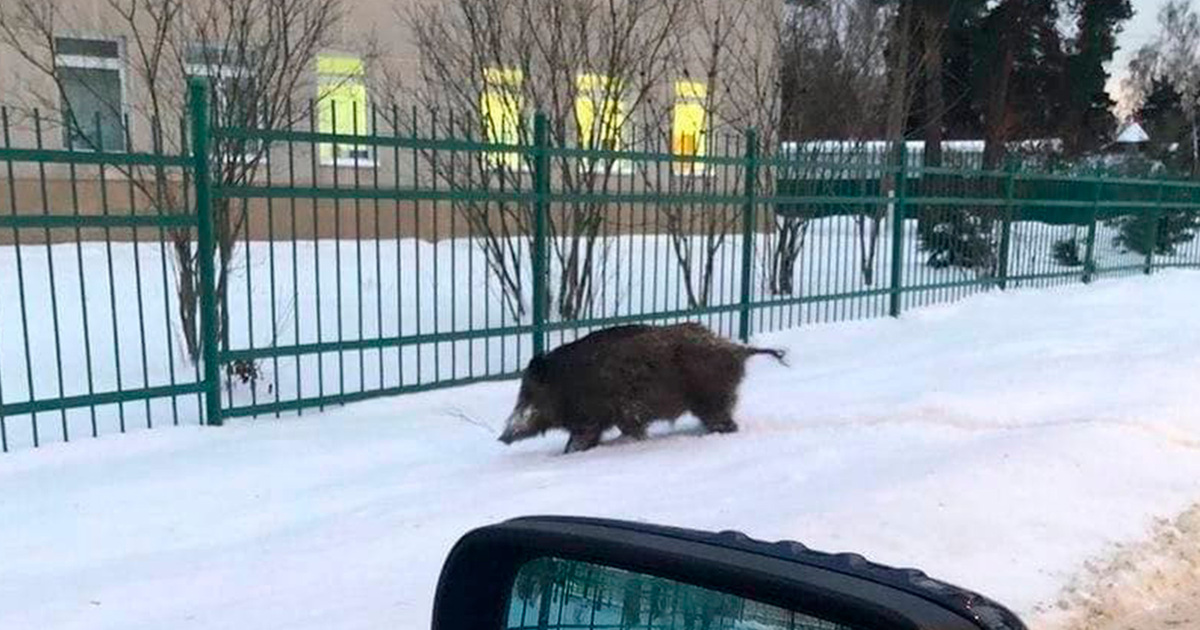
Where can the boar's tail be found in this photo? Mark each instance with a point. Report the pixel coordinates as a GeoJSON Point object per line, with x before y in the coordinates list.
{"type": "Point", "coordinates": [779, 355]}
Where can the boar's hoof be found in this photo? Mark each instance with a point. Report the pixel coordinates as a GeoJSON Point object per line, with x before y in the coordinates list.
{"type": "Point", "coordinates": [723, 427]}
{"type": "Point", "coordinates": [581, 442]}
{"type": "Point", "coordinates": [635, 431]}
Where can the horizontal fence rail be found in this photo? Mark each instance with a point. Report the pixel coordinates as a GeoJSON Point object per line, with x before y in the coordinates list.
{"type": "Point", "coordinates": [251, 272]}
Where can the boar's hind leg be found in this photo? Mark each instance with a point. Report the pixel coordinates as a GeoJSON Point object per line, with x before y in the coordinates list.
{"type": "Point", "coordinates": [719, 424]}
{"type": "Point", "coordinates": [715, 413]}
{"type": "Point", "coordinates": [582, 440]}
{"type": "Point", "coordinates": [633, 428]}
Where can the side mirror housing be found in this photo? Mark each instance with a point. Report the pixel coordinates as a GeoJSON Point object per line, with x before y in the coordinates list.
{"type": "Point", "coordinates": [546, 573]}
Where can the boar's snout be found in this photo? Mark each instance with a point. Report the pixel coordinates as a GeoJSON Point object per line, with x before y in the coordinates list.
{"type": "Point", "coordinates": [518, 426]}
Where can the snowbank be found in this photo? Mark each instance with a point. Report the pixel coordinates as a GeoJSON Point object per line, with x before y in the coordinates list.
{"type": "Point", "coordinates": [999, 443]}
{"type": "Point", "coordinates": [1151, 584]}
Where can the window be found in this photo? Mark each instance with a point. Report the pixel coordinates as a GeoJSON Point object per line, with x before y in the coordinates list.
{"type": "Point", "coordinates": [342, 108]}
{"type": "Point", "coordinates": [689, 129]}
{"type": "Point", "coordinates": [502, 106]}
{"type": "Point", "coordinates": [91, 75]}
{"type": "Point", "coordinates": [600, 113]}
{"type": "Point", "coordinates": [235, 92]}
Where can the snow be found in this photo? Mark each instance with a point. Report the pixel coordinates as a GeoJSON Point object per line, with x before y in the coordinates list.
{"type": "Point", "coordinates": [1000, 442]}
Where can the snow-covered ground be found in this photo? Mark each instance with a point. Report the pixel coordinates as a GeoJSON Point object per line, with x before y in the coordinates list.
{"type": "Point", "coordinates": [1000, 442]}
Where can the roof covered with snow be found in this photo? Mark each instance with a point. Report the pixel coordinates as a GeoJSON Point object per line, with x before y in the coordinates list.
{"type": "Point", "coordinates": [1132, 133]}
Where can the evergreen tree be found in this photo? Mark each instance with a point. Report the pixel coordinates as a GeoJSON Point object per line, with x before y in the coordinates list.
{"type": "Point", "coordinates": [961, 65]}
{"type": "Point", "coordinates": [943, 103]}
{"type": "Point", "coordinates": [1171, 229]}
{"type": "Point", "coordinates": [1087, 107]}
{"type": "Point", "coordinates": [1009, 53]}
{"type": "Point", "coordinates": [1163, 117]}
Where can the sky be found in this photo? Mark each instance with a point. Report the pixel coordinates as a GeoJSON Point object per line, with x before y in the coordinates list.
{"type": "Point", "coordinates": [1138, 31]}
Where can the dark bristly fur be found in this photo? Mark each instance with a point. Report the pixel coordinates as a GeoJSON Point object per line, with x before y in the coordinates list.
{"type": "Point", "coordinates": [628, 377]}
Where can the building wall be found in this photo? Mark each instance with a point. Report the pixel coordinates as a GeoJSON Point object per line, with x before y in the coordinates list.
{"type": "Point", "coordinates": [325, 218]}
{"type": "Point", "coordinates": [376, 29]}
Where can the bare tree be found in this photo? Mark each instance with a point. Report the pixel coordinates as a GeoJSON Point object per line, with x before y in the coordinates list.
{"type": "Point", "coordinates": [736, 46]}
{"type": "Point", "coordinates": [836, 88]}
{"type": "Point", "coordinates": [257, 56]}
{"type": "Point", "coordinates": [901, 76]}
{"type": "Point", "coordinates": [521, 56]}
{"type": "Point", "coordinates": [1173, 56]}
{"type": "Point", "coordinates": [835, 69]}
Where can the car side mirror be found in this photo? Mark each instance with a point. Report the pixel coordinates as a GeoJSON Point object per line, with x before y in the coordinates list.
{"type": "Point", "coordinates": [558, 573]}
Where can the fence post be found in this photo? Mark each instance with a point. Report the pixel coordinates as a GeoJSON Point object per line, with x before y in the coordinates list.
{"type": "Point", "coordinates": [1010, 188]}
{"type": "Point", "coordinates": [541, 187]}
{"type": "Point", "coordinates": [198, 98]}
{"type": "Point", "coordinates": [1089, 258]}
{"type": "Point", "coordinates": [898, 215]}
{"type": "Point", "coordinates": [1152, 230]}
{"type": "Point", "coordinates": [749, 207]}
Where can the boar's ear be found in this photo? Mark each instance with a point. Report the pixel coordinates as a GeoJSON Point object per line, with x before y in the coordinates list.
{"type": "Point", "coordinates": [537, 368]}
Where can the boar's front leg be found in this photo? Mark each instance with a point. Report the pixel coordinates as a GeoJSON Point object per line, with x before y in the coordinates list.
{"type": "Point", "coordinates": [582, 440]}
{"type": "Point", "coordinates": [632, 427]}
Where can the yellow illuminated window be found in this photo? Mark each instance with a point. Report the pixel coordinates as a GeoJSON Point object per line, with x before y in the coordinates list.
{"type": "Point", "coordinates": [599, 112]}
{"type": "Point", "coordinates": [501, 106]}
{"type": "Point", "coordinates": [689, 128]}
{"type": "Point", "coordinates": [342, 107]}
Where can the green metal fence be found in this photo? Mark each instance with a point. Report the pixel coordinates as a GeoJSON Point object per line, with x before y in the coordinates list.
{"type": "Point", "coordinates": [555, 594]}
{"type": "Point", "coordinates": [325, 268]}
{"type": "Point", "coordinates": [87, 327]}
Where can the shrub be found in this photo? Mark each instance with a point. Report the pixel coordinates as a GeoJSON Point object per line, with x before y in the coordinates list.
{"type": "Point", "coordinates": [1066, 252]}
{"type": "Point", "coordinates": [1172, 229]}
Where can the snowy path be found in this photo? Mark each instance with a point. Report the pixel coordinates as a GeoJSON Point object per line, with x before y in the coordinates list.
{"type": "Point", "coordinates": [999, 442]}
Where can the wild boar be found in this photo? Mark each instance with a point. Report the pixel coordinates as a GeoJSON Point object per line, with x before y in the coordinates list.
{"type": "Point", "coordinates": [628, 377]}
